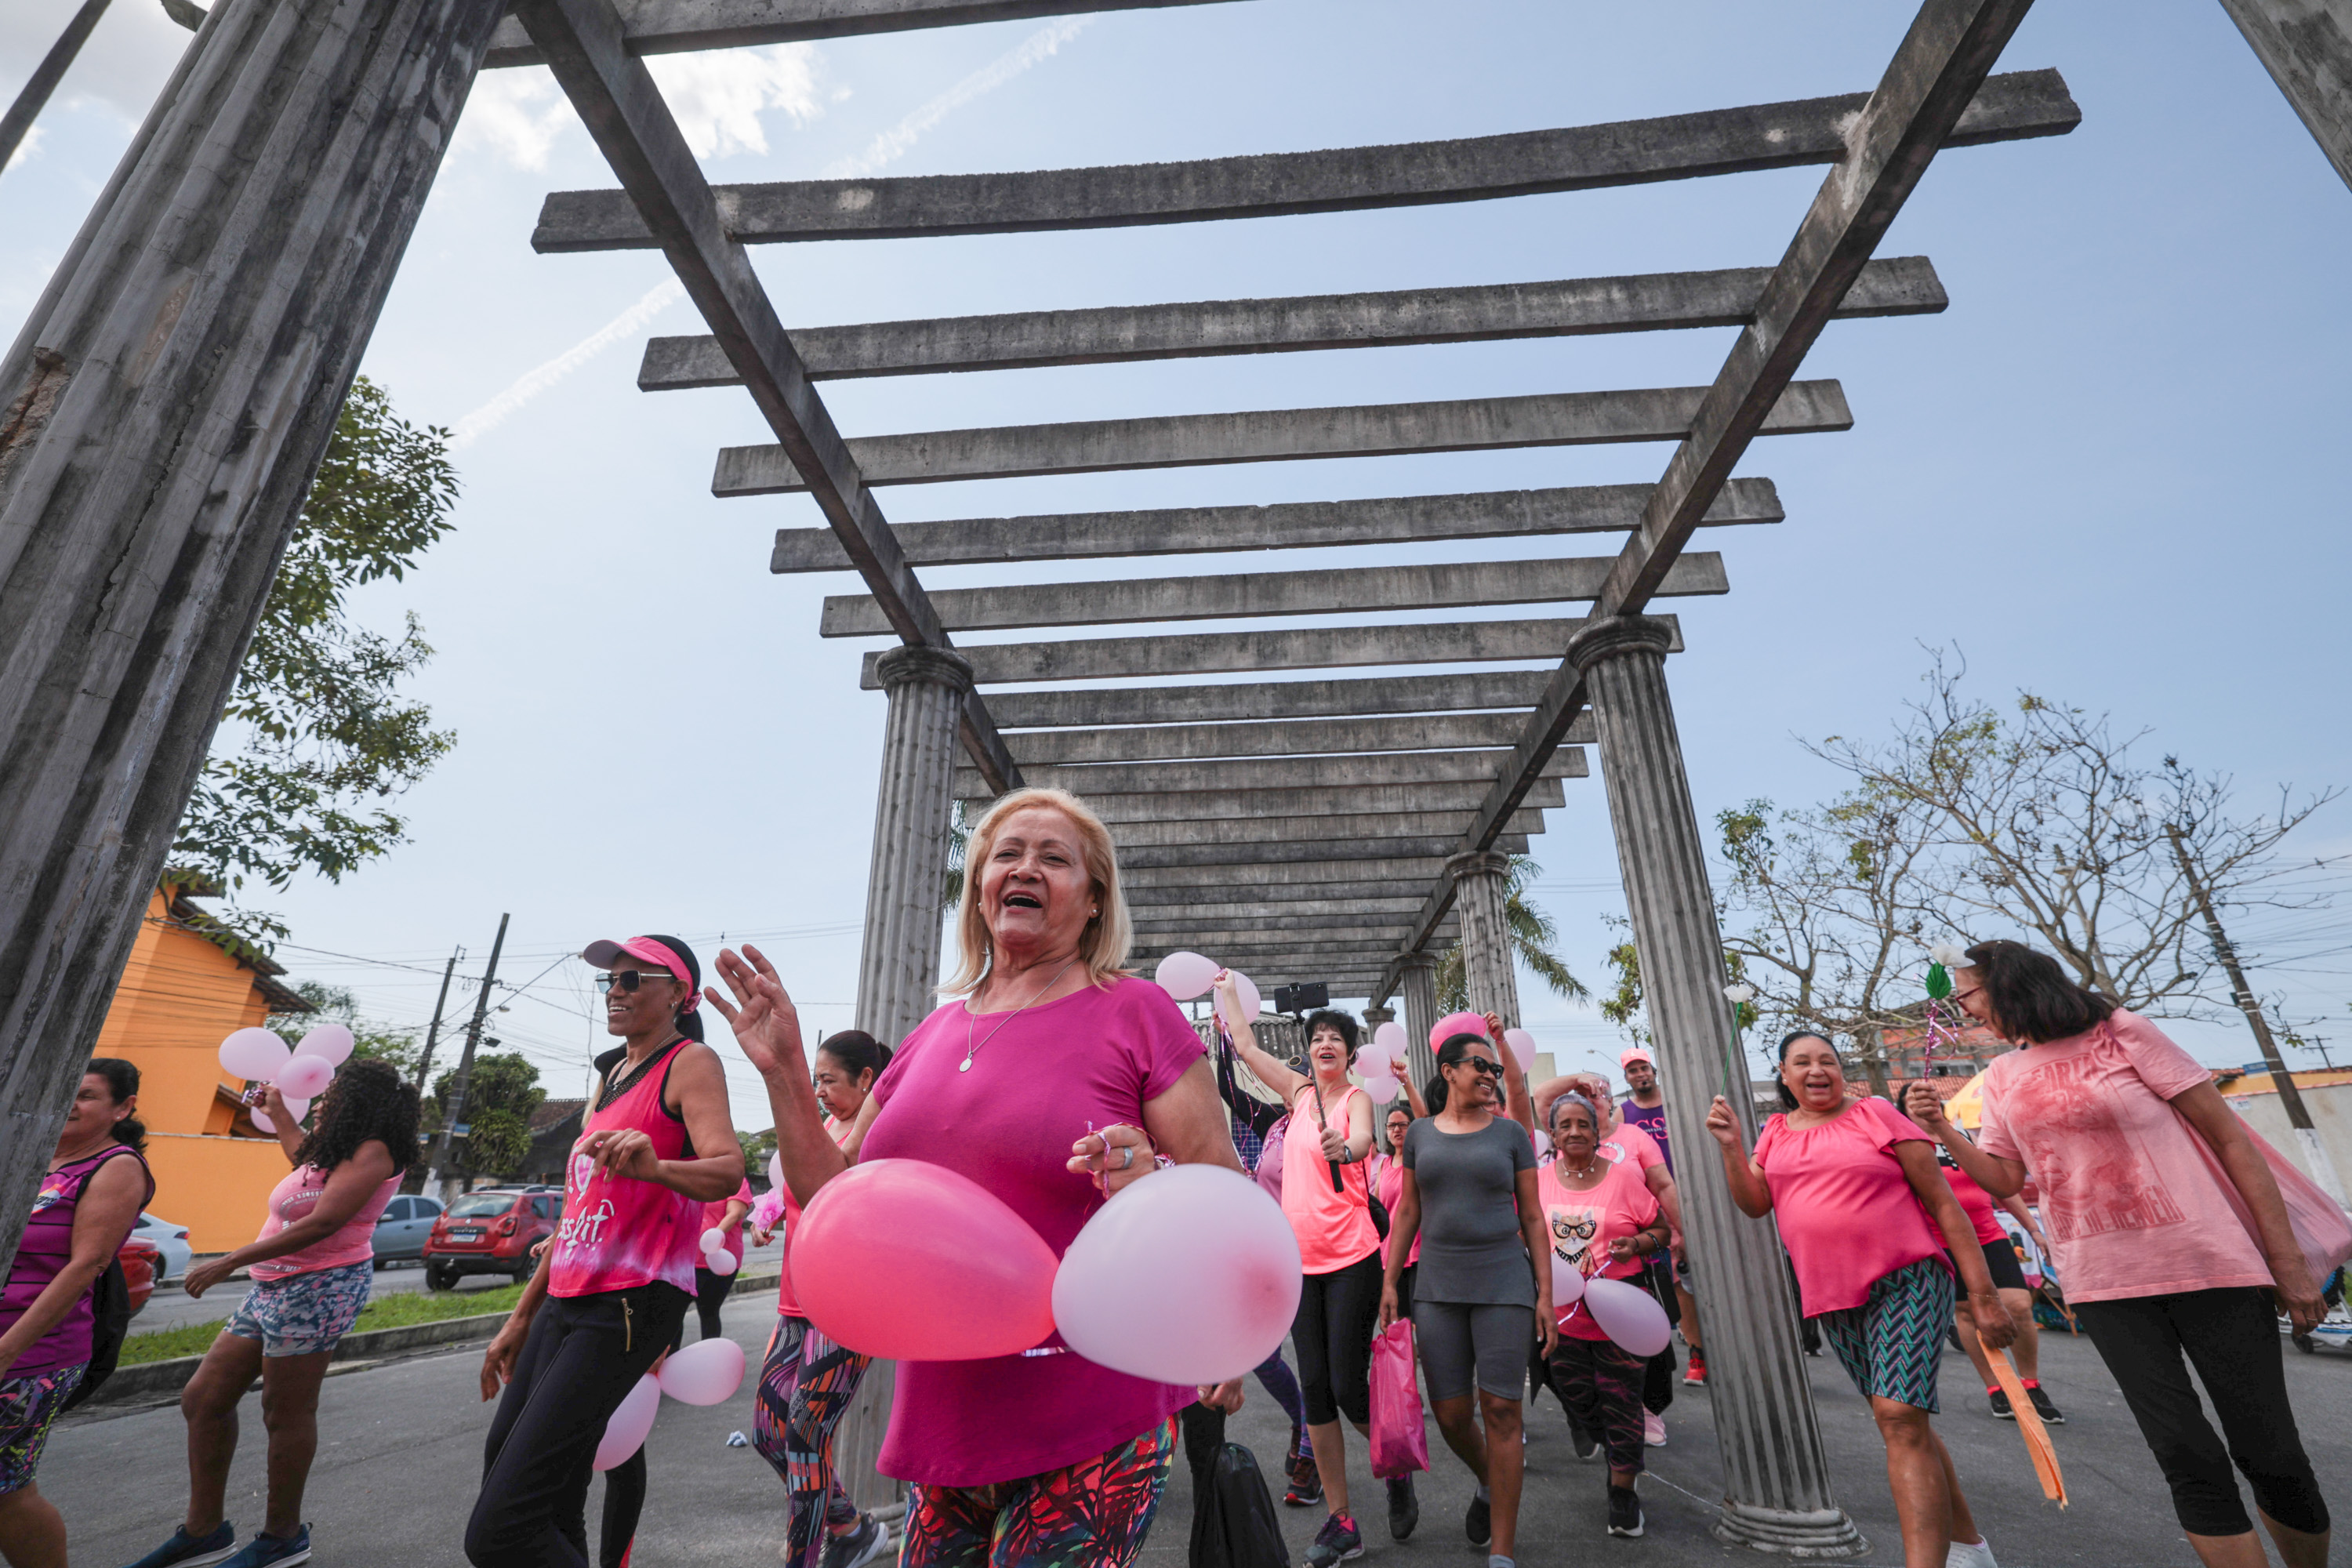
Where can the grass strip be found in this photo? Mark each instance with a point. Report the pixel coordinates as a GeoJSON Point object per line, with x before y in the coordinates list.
{"type": "Point", "coordinates": [388, 1311]}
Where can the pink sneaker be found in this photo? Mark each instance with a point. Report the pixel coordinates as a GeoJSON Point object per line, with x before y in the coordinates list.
{"type": "Point", "coordinates": [1654, 1429]}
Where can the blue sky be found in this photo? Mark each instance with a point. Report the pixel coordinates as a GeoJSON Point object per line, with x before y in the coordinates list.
{"type": "Point", "coordinates": [2108, 472]}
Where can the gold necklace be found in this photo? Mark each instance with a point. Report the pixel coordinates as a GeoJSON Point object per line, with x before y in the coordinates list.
{"type": "Point", "coordinates": [971, 1050]}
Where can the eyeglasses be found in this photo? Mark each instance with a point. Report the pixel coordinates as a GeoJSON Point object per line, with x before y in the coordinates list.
{"type": "Point", "coordinates": [630, 978]}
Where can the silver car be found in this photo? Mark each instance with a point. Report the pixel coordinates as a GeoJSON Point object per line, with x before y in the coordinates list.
{"type": "Point", "coordinates": [171, 1242]}
{"type": "Point", "coordinates": [401, 1229]}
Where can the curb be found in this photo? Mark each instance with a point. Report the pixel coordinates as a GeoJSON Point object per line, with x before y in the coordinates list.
{"type": "Point", "coordinates": [154, 1377]}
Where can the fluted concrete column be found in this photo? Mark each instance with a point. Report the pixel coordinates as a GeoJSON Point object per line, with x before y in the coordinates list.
{"type": "Point", "coordinates": [162, 415]}
{"type": "Point", "coordinates": [1481, 886]}
{"type": "Point", "coordinates": [898, 969]}
{"type": "Point", "coordinates": [1420, 1014]}
{"type": "Point", "coordinates": [1775, 1477]}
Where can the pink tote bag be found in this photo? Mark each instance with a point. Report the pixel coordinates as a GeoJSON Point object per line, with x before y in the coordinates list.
{"type": "Point", "coordinates": [1400, 1442]}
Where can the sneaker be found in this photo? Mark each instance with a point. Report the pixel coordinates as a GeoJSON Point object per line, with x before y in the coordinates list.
{"type": "Point", "coordinates": [1654, 1429]}
{"type": "Point", "coordinates": [1306, 1483]}
{"type": "Point", "coordinates": [1694, 1372]}
{"type": "Point", "coordinates": [1998, 1399]}
{"type": "Point", "coordinates": [1478, 1523]}
{"type": "Point", "coordinates": [1971, 1554]}
{"type": "Point", "coordinates": [1404, 1509]}
{"type": "Point", "coordinates": [859, 1547]}
{"type": "Point", "coordinates": [1338, 1540]}
{"type": "Point", "coordinates": [1586, 1444]}
{"type": "Point", "coordinates": [185, 1550]}
{"type": "Point", "coordinates": [2043, 1407]}
{"type": "Point", "coordinates": [267, 1550]}
{"type": "Point", "coordinates": [1624, 1511]}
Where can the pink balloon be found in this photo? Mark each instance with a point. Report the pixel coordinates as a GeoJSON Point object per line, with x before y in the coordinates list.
{"type": "Point", "coordinates": [1454, 1024]}
{"type": "Point", "coordinates": [1543, 1142]}
{"type": "Point", "coordinates": [706, 1371]}
{"type": "Point", "coordinates": [303, 1077]}
{"type": "Point", "coordinates": [625, 1429]}
{"type": "Point", "coordinates": [261, 1120]}
{"type": "Point", "coordinates": [1566, 1284]}
{"type": "Point", "coordinates": [776, 1173]}
{"type": "Point", "coordinates": [331, 1043]}
{"type": "Point", "coordinates": [1185, 975]}
{"type": "Point", "coordinates": [1629, 1315]}
{"type": "Point", "coordinates": [1390, 1037]}
{"type": "Point", "coordinates": [719, 1261]}
{"type": "Point", "coordinates": [1247, 990]}
{"type": "Point", "coordinates": [913, 1261]}
{"type": "Point", "coordinates": [1189, 1276]}
{"type": "Point", "coordinates": [254, 1054]}
{"type": "Point", "coordinates": [1381, 1086]}
{"type": "Point", "coordinates": [1522, 1044]}
{"type": "Point", "coordinates": [713, 1239]}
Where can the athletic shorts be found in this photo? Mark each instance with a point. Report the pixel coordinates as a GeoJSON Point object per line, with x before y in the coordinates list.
{"type": "Point", "coordinates": [302, 1314]}
{"type": "Point", "coordinates": [1092, 1514]}
{"type": "Point", "coordinates": [1463, 1342]}
{"type": "Point", "coordinates": [1892, 1343]}
{"type": "Point", "coordinates": [2001, 1258]}
{"type": "Point", "coordinates": [28, 1408]}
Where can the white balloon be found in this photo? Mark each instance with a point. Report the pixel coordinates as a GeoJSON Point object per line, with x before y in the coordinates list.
{"type": "Point", "coordinates": [1543, 1142]}
{"type": "Point", "coordinates": [776, 1171]}
{"type": "Point", "coordinates": [706, 1371]}
{"type": "Point", "coordinates": [261, 1120]}
{"type": "Point", "coordinates": [1185, 975]}
{"type": "Point", "coordinates": [1629, 1315]}
{"type": "Point", "coordinates": [1380, 1087]}
{"type": "Point", "coordinates": [1566, 1284]}
{"type": "Point", "coordinates": [625, 1429]}
{"type": "Point", "coordinates": [1522, 1044]}
{"type": "Point", "coordinates": [254, 1054]}
{"type": "Point", "coordinates": [1247, 991]}
{"type": "Point", "coordinates": [332, 1043]}
{"type": "Point", "coordinates": [714, 1240]}
{"type": "Point", "coordinates": [719, 1261]}
{"type": "Point", "coordinates": [1390, 1037]}
{"type": "Point", "coordinates": [304, 1077]}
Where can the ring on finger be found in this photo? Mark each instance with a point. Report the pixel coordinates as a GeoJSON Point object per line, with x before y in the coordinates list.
{"type": "Point", "coordinates": [1130, 1149]}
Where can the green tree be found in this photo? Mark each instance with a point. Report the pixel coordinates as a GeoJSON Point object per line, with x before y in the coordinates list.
{"type": "Point", "coordinates": [1532, 933]}
{"type": "Point", "coordinates": [334, 1004]}
{"type": "Point", "coordinates": [317, 736]}
{"type": "Point", "coordinates": [958, 840]}
{"type": "Point", "coordinates": [500, 1099]}
{"type": "Point", "coordinates": [757, 1148]}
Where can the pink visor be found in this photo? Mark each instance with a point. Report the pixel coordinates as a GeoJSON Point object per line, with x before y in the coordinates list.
{"type": "Point", "coordinates": [645, 948]}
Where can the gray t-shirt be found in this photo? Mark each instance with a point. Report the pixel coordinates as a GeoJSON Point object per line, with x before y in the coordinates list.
{"type": "Point", "coordinates": [1472, 1250]}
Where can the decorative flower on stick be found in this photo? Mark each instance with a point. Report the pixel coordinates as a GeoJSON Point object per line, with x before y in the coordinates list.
{"type": "Point", "coordinates": [1943, 957]}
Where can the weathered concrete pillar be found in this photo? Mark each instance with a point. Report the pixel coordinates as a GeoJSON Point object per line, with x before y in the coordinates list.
{"type": "Point", "coordinates": [162, 415]}
{"type": "Point", "coordinates": [898, 969]}
{"type": "Point", "coordinates": [1775, 1477]}
{"type": "Point", "coordinates": [2306, 45]}
{"type": "Point", "coordinates": [1421, 1014]}
{"type": "Point", "coordinates": [1481, 886]}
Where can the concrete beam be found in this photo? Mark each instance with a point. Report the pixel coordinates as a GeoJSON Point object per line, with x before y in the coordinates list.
{"type": "Point", "coordinates": [1150, 894]}
{"type": "Point", "coordinates": [675, 26]}
{"type": "Point", "coordinates": [1367, 826]}
{"type": "Point", "coordinates": [1383, 911]}
{"type": "Point", "coordinates": [1313, 648]}
{"type": "Point", "coordinates": [581, 40]}
{"type": "Point", "coordinates": [1166, 927]}
{"type": "Point", "coordinates": [1149, 779]}
{"type": "Point", "coordinates": [1119, 810]}
{"type": "Point", "coordinates": [1297, 737]}
{"type": "Point", "coordinates": [1480, 168]}
{"type": "Point", "coordinates": [1335, 955]}
{"type": "Point", "coordinates": [1324, 876]}
{"type": "Point", "coordinates": [1206, 529]}
{"type": "Point", "coordinates": [1334, 852]}
{"type": "Point", "coordinates": [1125, 334]}
{"type": "Point", "coordinates": [2306, 45]}
{"type": "Point", "coordinates": [1273, 435]}
{"type": "Point", "coordinates": [1090, 706]}
{"type": "Point", "coordinates": [1246, 595]}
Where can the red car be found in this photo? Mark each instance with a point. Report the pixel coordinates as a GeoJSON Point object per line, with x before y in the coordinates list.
{"type": "Point", "coordinates": [140, 1260]}
{"type": "Point", "coordinates": [490, 1230]}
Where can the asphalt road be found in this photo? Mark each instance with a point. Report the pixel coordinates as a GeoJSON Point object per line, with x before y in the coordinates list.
{"type": "Point", "coordinates": [399, 1464]}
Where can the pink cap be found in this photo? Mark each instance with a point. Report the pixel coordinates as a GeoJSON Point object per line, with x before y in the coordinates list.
{"type": "Point", "coordinates": [1628, 1057]}
{"type": "Point", "coordinates": [652, 950]}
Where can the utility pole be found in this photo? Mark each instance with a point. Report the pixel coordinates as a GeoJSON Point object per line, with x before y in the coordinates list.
{"type": "Point", "coordinates": [432, 1030]}
{"type": "Point", "coordinates": [457, 1107]}
{"type": "Point", "coordinates": [2298, 1116]}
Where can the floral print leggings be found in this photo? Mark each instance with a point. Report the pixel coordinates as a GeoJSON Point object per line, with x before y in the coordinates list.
{"type": "Point", "coordinates": [806, 1385]}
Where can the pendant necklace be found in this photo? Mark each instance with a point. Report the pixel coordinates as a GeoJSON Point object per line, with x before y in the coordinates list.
{"type": "Point", "coordinates": [971, 1050]}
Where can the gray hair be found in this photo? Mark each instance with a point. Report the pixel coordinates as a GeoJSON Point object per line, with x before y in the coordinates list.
{"type": "Point", "coordinates": [1571, 1097]}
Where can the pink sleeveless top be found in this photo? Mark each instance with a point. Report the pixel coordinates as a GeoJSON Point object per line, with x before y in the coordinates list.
{"type": "Point", "coordinates": [619, 1233]}
{"type": "Point", "coordinates": [293, 1199]}
{"type": "Point", "coordinates": [42, 1253]}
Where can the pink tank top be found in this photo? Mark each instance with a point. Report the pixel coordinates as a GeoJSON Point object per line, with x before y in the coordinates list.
{"type": "Point", "coordinates": [619, 1233]}
{"type": "Point", "coordinates": [42, 1253]}
{"type": "Point", "coordinates": [1334, 1228]}
{"type": "Point", "coordinates": [292, 1200]}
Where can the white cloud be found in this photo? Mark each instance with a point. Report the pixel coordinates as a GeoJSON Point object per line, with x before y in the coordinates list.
{"type": "Point", "coordinates": [892, 144]}
{"type": "Point", "coordinates": [490, 415]}
{"type": "Point", "coordinates": [25, 149]}
{"type": "Point", "coordinates": [515, 115]}
{"type": "Point", "coordinates": [716, 96]}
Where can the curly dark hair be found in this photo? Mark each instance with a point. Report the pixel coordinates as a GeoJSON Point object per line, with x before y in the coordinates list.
{"type": "Point", "coordinates": [366, 1100]}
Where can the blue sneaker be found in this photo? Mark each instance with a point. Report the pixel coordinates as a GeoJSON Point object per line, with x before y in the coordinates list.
{"type": "Point", "coordinates": [267, 1550]}
{"type": "Point", "coordinates": [185, 1550]}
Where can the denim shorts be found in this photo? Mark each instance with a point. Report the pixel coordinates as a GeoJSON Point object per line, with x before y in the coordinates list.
{"type": "Point", "coordinates": [302, 1314]}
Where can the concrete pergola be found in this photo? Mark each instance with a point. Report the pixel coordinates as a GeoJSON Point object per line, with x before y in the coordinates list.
{"type": "Point", "coordinates": [168, 401]}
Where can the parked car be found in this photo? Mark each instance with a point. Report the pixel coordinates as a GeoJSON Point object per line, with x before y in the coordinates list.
{"type": "Point", "coordinates": [171, 1244]}
{"type": "Point", "coordinates": [141, 1260]}
{"type": "Point", "coordinates": [490, 1231]}
{"type": "Point", "coordinates": [402, 1229]}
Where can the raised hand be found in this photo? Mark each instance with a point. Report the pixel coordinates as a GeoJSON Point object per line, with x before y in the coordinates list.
{"type": "Point", "coordinates": [1722, 1124]}
{"type": "Point", "coordinates": [765, 1022]}
{"type": "Point", "coordinates": [1923, 1108]}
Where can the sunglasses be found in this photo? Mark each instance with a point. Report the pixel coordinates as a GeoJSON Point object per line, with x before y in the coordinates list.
{"type": "Point", "coordinates": [1486, 1064]}
{"type": "Point", "coordinates": [630, 978]}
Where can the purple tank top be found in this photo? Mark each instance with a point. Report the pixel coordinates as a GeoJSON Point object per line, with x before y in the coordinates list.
{"type": "Point", "coordinates": [41, 1254]}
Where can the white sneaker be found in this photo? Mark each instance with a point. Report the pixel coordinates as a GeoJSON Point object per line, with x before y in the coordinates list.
{"type": "Point", "coordinates": [1654, 1429]}
{"type": "Point", "coordinates": [1969, 1555]}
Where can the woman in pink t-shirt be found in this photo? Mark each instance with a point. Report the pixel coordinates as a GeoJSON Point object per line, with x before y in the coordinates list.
{"type": "Point", "coordinates": [1032, 1458]}
{"type": "Point", "coordinates": [2171, 1236]}
{"type": "Point", "coordinates": [310, 1268]}
{"type": "Point", "coordinates": [1874, 1233]}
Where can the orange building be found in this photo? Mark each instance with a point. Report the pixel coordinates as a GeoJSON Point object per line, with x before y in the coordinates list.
{"type": "Point", "coordinates": [187, 985]}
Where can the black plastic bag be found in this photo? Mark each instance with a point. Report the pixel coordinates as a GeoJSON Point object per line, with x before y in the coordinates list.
{"type": "Point", "coordinates": [1233, 1521]}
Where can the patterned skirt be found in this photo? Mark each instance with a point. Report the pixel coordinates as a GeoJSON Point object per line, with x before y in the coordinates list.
{"type": "Point", "coordinates": [1892, 1344]}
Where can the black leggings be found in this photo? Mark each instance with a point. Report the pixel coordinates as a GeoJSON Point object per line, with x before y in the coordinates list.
{"type": "Point", "coordinates": [2231, 1338]}
{"type": "Point", "coordinates": [710, 1292]}
{"type": "Point", "coordinates": [1333, 1333]}
{"type": "Point", "coordinates": [583, 1356]}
